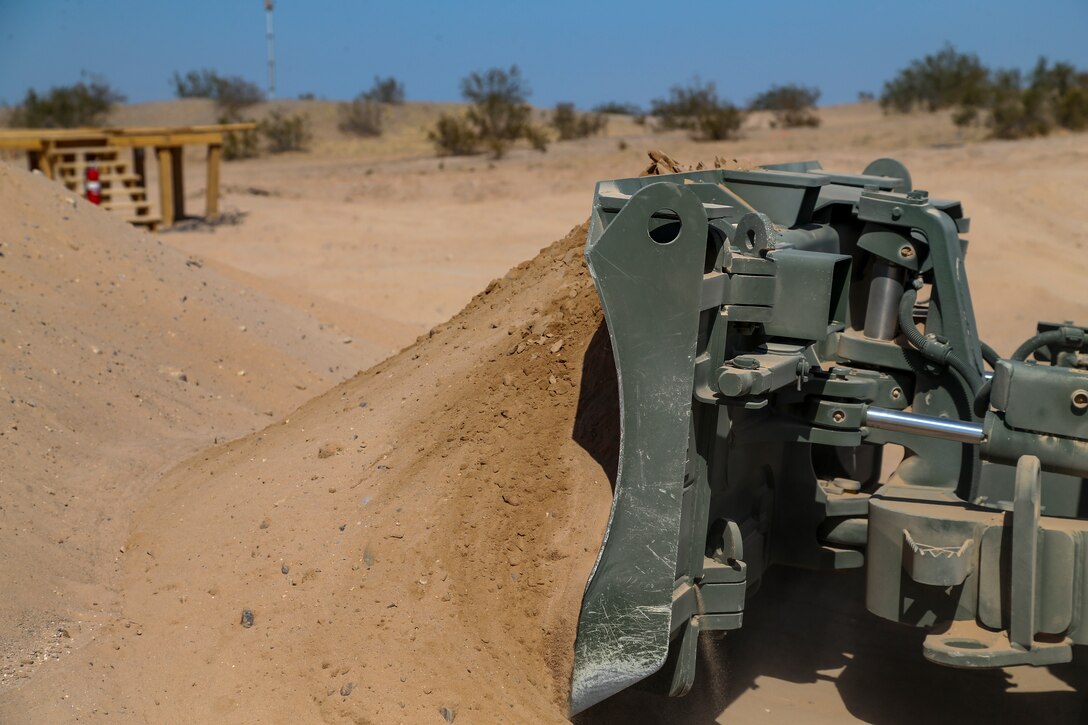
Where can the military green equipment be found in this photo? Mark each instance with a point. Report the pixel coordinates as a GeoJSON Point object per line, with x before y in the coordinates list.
{"type": "Point", "coordinates": [777, 334]}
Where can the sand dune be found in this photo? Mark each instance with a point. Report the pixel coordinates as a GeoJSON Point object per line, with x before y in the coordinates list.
{"type": "Point", "coordinates": [120, 355]}
{"type": "Point", "coordinates": [418, 535]}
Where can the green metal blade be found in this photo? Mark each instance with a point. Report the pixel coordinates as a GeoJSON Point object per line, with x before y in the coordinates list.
{"type": "Point", "coordinates": [650, 292]}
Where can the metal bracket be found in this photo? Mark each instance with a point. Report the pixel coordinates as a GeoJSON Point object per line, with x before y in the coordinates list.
{"type": "Point", "coordinates": [964, 643]}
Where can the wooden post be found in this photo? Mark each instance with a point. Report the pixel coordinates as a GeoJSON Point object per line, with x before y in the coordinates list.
{"type": "Point", "coordinates": [166, 185]}
{"type": "Point", "coordinates": [211, 205]}
{"type": "Point", "coordinates": [45, 161]}
{"type": "Point", "coordinates": [138, 164]}
{"type": "Point", "coordinates": [179, 182]}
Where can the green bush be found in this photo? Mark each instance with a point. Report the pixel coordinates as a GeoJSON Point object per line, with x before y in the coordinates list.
{"type": "Point", "coordinates": [942, 80]}
{"type": "Point", "coordinates": [499, 109]}
{"type": "Point", "coordinates": [285, 132]}
{"type": "Point", "coordinates": [386, 90]}
{"type": "Point", "coordinates": [720, 123]}
{"type": "Point", "coordinates": [362, 116]}
{"type": "Point", "coordinates": [229, 92]}
{"type": "Point", "coordinates": [697, 108]}
{"type": "Point", "coordinates": [1072, 108]}
{"type": "Point", "coordinates": [239, 144]}
{"type": "Point", "coordinates": [195, 84]}
{"type": "Point", "coordinates": [498, 115]}
{"type": "Point", "coordinates": [537, 137]}
{"type": "Point", "coordinates": [1010, 105]}
{"type": "Point", "coordinates": [793, 105]}
{"type": "Point", "coordinates": [81, 104]}
{"type": "Point", "coordinates": [570, 124]}
{"type": "Point", "coordinates": [684, 105]}
{"type": "Point", "coordinates": [1055, 96]}
{"type": "Point", "coordinates": [620, 109]}
{"type": "Point", "coordinates": [454, 136]}
{"type": "Point", "coordinates": [1061, 94]}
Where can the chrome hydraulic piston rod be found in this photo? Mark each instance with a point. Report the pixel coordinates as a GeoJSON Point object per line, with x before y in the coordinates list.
{"type": "Point", "coordinates": [924, 425]}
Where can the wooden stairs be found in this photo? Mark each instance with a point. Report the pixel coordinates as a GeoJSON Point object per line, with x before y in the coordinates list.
{"type": "Point", "coordinates": [123, 189]}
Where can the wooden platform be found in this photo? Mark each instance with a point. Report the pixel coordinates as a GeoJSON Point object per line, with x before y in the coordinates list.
{"type": "Point", "coordinates": [122, 190]}
{"type": "Point", "coordinates": [65, 154]}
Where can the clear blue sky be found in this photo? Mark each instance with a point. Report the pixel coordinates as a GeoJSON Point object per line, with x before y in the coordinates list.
{"type": "Point", "coordinates": [586, 52]}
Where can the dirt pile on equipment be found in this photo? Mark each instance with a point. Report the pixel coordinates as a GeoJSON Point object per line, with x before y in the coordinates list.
{"type": "Point", "coordinates": [418, 538]}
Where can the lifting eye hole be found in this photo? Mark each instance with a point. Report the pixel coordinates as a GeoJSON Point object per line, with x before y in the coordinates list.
{"type": "Point", "coordinates": [750, 239]}
{"type": "Point", "coordinates": [664, 226]}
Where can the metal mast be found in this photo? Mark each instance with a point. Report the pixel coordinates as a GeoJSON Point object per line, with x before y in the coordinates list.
{"type": "Point", "coordinates": [271, 52]}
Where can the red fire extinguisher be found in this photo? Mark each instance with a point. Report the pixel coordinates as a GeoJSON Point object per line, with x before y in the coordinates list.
{"type": "Point", "coordinates": [93, 186]}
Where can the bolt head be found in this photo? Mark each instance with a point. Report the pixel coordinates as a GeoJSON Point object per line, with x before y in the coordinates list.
{"type": "Point", "coordinates": [1080, 399]}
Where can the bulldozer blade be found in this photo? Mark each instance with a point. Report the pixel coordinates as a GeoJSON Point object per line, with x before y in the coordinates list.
{"type": "Point", "coordinates": [647, 263]}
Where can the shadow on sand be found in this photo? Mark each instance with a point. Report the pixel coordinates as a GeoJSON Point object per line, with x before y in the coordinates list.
{"type": "Point", "coordinates": [803, 624]}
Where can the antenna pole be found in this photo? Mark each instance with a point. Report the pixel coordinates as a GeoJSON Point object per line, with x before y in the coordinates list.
{"type": "Point", "coordinates": [271, 52]}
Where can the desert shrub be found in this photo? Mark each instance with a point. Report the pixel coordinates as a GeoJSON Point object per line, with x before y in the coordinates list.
{"type": "Point", "coordinates": [684, 105]}
{"type": "Point", "coordinates": [454, 136]}
{"type": "Point", "coordinates": [1009, 103]}
{"type": "Point", "coordinates": [362, 116]}
{"type": "Point", "coordinates": [283, 132]}
{"type": "Point", "coordinates": [229, 92]}
{"type": "Point", "coordinates": [866, 96]}
{"type": "Point", "coordinates": [498, 115]}
{"type": "Point", "coordinates": [236, 92]}
{"type": "Point", "coordinates": [307, 96]}
{"type": "Point", "coordinates": [499, 109]}
{"type": "Point", "coordinates": [1072, 108]}
{"type": "Point", "coordinates": [945, 79]}
{"type": "Point", "coordinates": [1003, 108]}
{"type": "Point", "coordinates": [537, 137]}
{"type": "Point", "coordinates": [239, 144]}
{"type": "Point", "coordinates": [719, 123]}
{"type": "Point", "coordinates": [195, 84]}
{"type": "Point", "coordinates": [1058, 94]}
{"type": "Point", "coordinates": [620, 109]}
{"type": "Point", "coordinates": [696, 107]}
{"type": "Point", "coordinates": [81, 104]}
{"type": "Point", "coordinates": [793, 105]}
{"type": "Point", "coordinates": [1053, 96]}
{"type": "Point", "coordinates": [1014, 106]}
{"type": "Point", "coordinates": [571, 124]}
{"type": "Point", "coordinates": [386, 90]}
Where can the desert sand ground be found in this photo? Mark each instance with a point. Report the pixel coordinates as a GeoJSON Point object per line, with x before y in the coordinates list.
{"type": "Point", "coordinates": [415, 537]}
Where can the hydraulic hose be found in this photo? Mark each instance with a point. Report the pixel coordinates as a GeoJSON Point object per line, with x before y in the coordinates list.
{"type": "Point", "coordinates": [931, 348]}
{"type": "Point", "coordinates": [981, 403]}
{"type": "Point", "coordinates": [1064, 336]}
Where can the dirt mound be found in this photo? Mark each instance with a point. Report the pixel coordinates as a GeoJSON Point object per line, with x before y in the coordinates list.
{"type": "Point", "coordinates": [118, 356]}
{"type": "Point", "coordinates": [417, 538]}
{"type": "Point", "coordinates": [661, 163]}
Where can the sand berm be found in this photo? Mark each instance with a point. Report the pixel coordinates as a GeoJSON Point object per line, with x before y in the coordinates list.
{"type": "Point", "coordinates": [412, 543]}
